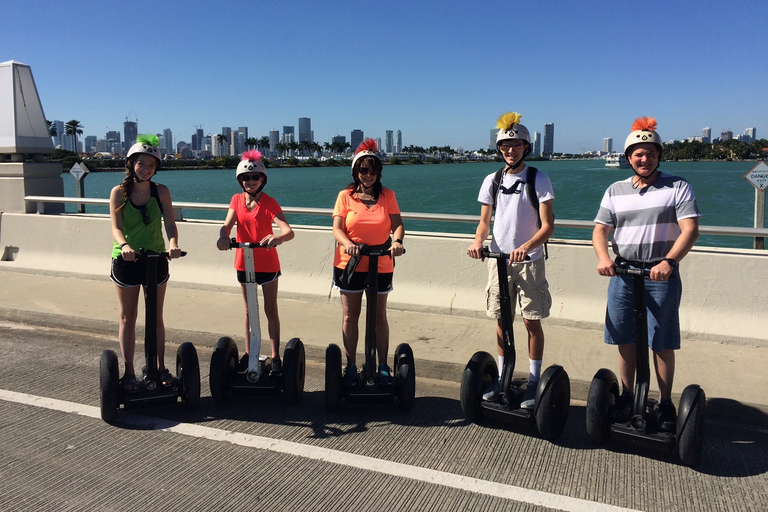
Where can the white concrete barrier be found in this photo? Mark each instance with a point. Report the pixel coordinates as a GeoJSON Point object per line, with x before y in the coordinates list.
{"type": "Point", "coordinates": [724, 290]}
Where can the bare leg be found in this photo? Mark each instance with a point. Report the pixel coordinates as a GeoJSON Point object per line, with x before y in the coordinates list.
{"type": "Point", "coordinates": [664, 362]}
{"type": "Point", "coordinates": [535, 339]}
{"type": "Point", "coordinates": [350, 305]}
{"type": "Point", "coordinates": [128, 300]}
{"type": "Point", "coordinates": [627, 363]}
{"type": "Point", "coordinates": [273, 318]}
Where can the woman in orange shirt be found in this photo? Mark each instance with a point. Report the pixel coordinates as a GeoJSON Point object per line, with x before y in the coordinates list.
{"type": "Point", "coordinates": [365, 213]}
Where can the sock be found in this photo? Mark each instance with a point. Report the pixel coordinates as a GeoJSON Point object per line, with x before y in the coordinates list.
{"type": "Point", "coordinates": [501, 364]}
{"type": "Point", "coordinates": [535, 370]}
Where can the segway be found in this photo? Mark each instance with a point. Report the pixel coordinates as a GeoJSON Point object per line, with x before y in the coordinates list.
{"type": "Point", "coordinates": [641, 428]}
{"type": "Point", "coordinates": [553, 392]}
{"type": "Point", "coordinates": [368, 389]}
{"type": "Point", "coordinates": [258, 378]}
{"type": "Point", "coordinates": [151, 391]}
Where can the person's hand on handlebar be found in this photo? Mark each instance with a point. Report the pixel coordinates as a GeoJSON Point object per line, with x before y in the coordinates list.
{"type": "Point", "coordinates": [352, 249]}
{"type": "Point", "coordinates": [128, 253]}
{"type": "Point", "coordinates": [223, 243]}
{"type": "Point", "coordinates": [606, 267]}
{"type": "Point", "coordinates": [518, 255]}
{"type": "Point", "coordinates": [173, 253]}
{"type": "Point", "coordinates": [396, 249]}
{"type": "Point", "coordinates": [475, 251]}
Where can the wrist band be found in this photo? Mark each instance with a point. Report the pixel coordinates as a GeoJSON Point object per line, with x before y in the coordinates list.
{"type": "Point", "coordinates": [398, 241]}
{"type": "Point", "coordinates": [123, 244]}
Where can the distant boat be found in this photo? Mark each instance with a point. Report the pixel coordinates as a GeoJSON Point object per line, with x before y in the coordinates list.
{"type": "Point", "coordinates": [616, 161]}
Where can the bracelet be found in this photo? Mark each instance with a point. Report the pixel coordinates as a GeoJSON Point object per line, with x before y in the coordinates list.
{"type": "Point", "coordinates": [123, 244]}
{"type": "Point", "coordinates": [398, 241]}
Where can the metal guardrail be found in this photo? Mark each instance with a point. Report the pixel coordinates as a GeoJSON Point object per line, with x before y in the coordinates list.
{"type": "Point", "coordinates": [437, 217]}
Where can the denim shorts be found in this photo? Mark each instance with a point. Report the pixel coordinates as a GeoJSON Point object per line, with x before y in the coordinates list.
{"type": "Point", "coordinates": [527, 286]}
{"type": "Point", "coordinates": [130, 274]}
{"type": "Point", "coordinates": [662, 303]}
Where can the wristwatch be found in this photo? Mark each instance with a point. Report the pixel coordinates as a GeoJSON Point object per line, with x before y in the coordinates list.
{"type": "Point", "coordinates": [672, 263]}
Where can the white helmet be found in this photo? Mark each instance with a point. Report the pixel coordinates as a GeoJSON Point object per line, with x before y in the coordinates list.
{"type": "Point", "coordinates": [366, 148]}
{"type": "Point", "coordinates": [146, 144]}
{"type": "Point", "coordinates": [251, 162]}
{"type": "Point", "coordinates": [643, 130]}
{"type": "Point", "coordinates": [510, 128]}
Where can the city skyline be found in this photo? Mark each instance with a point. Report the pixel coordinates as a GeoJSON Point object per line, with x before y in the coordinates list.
{"type": "Point", "coordinates": [441, 75]}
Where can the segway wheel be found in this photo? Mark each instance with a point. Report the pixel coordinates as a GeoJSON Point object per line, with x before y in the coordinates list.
{"type": "Point", "coordinates": [553, 401]}
{"type": "Point", "coordinates": [478, 376]}
{"type": "Point", "coordinates": [405, 373]}
{"type": "Point", "coordinates": [332, 377]}
{"type": "Point", "coordinates": [603, 393]}
{"type": "Point", "coordinates": [294, 370]}
{"type": "Point", "coordinates": [188, 372]}
{"type": "Point", "coordinates": [109, 385]}
{"type": "Point", "coordinates": [223, 363]}
{"type": "Point", "coordinates": [690, 425]}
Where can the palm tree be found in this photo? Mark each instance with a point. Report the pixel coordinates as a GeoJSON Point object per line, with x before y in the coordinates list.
{"type": "Point", "coordinates": [73, 128]}
{"type": "Point", "coordinates": [221, 139]}
{"type": "Point", "coordinates": [251, 142]}
{"type": "Point", "coordinates": [263, 143]}
{"type": "Point", "coordinates": [51, 128]}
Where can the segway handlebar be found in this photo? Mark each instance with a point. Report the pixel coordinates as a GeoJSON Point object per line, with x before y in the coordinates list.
{"type": "Point", "coordinates": [487, 253]}
{"type": "Point", "coordinates": [633, 271]}
{"type": "Point", "coordinates": [375, 250]}
{"type": "Point", "coordinates": [234, 244]}
{"type": "Point", "coordinates": [141, 253]}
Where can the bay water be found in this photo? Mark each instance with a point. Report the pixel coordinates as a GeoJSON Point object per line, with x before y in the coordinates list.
{"type": "Point", "coordinates": [725, 197]}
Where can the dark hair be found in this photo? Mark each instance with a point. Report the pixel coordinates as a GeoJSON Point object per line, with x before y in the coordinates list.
{"type": "Point", "coordinates": [377, 168]}
{"type": "Point", "coordinates": [129, 180]}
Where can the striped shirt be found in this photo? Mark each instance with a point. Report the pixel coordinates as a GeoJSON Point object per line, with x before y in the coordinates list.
{"type": "Point", "coordinates": [645, 220]}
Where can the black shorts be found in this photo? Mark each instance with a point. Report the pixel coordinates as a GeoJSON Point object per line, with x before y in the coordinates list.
{"type": "Point", "coordinates": [357, 283]}
{"type": "Point", "coordinates": [262, 278]}
{"type": "Point", "coordinates": [129, 274]}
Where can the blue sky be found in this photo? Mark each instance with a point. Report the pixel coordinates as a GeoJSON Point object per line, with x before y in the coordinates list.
{"type": "Point", "coordinates": [439, 71]}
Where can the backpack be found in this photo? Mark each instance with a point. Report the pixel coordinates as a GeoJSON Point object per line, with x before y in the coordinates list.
{"type": "Point", "coordinates": [530, 189]}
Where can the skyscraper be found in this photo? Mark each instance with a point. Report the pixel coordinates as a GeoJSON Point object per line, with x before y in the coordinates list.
{"type": "Point", "coordinates": [130, 132]}
{"type": "Point", "coordinates": [274, 139]}
{"type": "Point", "coordinates": [305, 129]}
{"type": "Point", "coordinates": [289, 135]}
{"type": "Point", "coordinates": [706, 135]}
{"type": "Point", "coordinates": [168, 139]}
{"type": "Point", "coordinates": [536, 143]}
{"type": "Point", "coordinates": [388, 141]}
{"type": "Point", "coordinates": [59, 138]}
{"type": "Point", "coordinates": [751, 133]}
{"type": "Point", "coordinates": [608, 145]}
{"type": "Point", "coordinates": [355, 138]}
{"type": "Point", "coordinates": [226, 131]}
{"type": "Point", "coordinates": [549, 139]}
{"type": "Point", "coordinates": [399, 143]}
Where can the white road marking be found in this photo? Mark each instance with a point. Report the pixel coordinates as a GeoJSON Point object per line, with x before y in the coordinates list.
{"type": "Point", "coordinates": [475, 485]}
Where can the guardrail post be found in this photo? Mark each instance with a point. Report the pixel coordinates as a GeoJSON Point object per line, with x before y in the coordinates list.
{"type": "Point", "coordinates": [177, 214]}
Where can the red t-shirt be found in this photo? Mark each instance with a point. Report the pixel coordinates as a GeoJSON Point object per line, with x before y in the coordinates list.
{"type": "Point", "coordinates": [370, 226]}
{"type": "Point", "coordinates": [253, 226]}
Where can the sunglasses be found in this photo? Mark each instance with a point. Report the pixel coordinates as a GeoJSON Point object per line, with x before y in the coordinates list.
{"type": "Point", "coordinates": [514, 189]}
{"type": "Point", "coordinates": [365, 171]}
{"type": "Point", "coordinates": [516, 145]}
{"type": "Point", "coordinates": [252, 176]}
{"type": "Point", "coordinates": [145, 215]}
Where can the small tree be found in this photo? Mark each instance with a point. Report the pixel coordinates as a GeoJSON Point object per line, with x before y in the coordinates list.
{"type": "Point", "coordinates": [73, 128]}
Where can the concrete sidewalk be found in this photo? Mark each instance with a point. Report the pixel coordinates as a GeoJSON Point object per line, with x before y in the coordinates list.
{"type": "Point", "coordinates": [733, 376]}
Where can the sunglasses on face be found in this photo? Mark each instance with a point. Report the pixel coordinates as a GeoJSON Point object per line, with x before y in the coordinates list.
{"type": "Point", "coordinates": [365, 171]}
{"type": "Point", "coordinates": [515, 145]}
{"type": "Point", "coordinates": [255, 176]}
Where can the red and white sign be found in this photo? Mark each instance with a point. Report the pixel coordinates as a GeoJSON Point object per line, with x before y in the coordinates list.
{"type": "Point", "coordinates": [758, 176]}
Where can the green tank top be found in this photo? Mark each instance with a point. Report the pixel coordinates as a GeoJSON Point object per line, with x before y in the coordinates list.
{"type": "Point", "coordinates": [139, 234]}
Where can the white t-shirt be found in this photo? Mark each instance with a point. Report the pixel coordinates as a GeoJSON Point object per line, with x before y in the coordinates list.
{"type": "Point", "coordinates": [515, 221]}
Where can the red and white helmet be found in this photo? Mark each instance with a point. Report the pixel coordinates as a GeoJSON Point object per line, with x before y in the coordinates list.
{"type": "Point", "coordinates": [252, 161]}
{"type": "Point", "coordinates": [643, 130]}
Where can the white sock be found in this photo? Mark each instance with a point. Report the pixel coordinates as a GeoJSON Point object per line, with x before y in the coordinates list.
{"type": "Point", "coordinates": [501, 364]}
{"type": "Point", "coordinates": [535, 370]}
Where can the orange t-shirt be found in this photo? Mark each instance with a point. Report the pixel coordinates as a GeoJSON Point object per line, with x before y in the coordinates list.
{"type": "Point", "coordinates": [370, 226]}
{"type": "Point", "coordinates": [253, 226]}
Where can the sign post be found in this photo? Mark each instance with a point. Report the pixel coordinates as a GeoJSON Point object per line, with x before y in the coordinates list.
{"type": "Point", "coordinates": [758, 176]}
{"type": "Point", "coordinates": [79, 171]}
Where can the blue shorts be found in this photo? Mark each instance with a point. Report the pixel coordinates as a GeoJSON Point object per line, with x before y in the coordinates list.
{"type": "Point", "coordinates": [662, 302]}
{"type": "Point", "coordinates": [130, 274]}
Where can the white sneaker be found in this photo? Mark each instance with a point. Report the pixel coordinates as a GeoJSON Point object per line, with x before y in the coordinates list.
{"type": "Point", "coordinates": [529, 398]}
{"type": "Point", "coordinates": [492, 393]}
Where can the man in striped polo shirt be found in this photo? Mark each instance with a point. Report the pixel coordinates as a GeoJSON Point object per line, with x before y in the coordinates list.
{"type": "Point", "coordinates": [655, 222]}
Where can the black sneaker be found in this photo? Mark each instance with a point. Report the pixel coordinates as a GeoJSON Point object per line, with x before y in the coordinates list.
{"type": "Point", "coordinates": [277, 366]}
{"type": "Point", "coordinates": [667, 416]}
{"type": "Point", "coordinates": [242, 366]}
{"type": "Point", "coordinates": [622, 409]}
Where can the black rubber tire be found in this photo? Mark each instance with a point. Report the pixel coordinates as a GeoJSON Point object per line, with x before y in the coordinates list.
{"type": "Point", "coordinates": [405, 373]}
{"type": "Point", "coordinates": [478, 375]}
{"type": "Point", "coordinates": [109, 392]}
{"type": "Point", "coordinates": [603, 393]}
{"type": "Point", "coordinates": [332, 378]}
{"type": "Point", "coordinates": [690, 425]}
{"type": "Point", "coordinates": [188, 372]}
{"type": "Point", "coordinates": [553, 401]}
{"type": "Point", "coordinates": [294, 370]}
{"type": "Point", "coordinates": [223, 363]}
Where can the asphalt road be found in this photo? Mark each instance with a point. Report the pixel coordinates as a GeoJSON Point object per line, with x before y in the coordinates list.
{"type": "Point", "coordinates": [260, 453]}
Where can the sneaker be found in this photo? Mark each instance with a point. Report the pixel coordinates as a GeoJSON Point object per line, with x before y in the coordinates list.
{"type": "Point", "coordinates": [277, 366]}
{"type": "Point", "coordinates": [667, 416]}
{"type": "Point", "coordinates": [385, 375]}
{"type": "Point", "coordinates": [350, 376]}
{"type": "Point", "coordinates": [242, 366]}
{"type": "Point", "coordinates": [529, 398]}
{"type": "Point", "coordinates": [622, 409]}
{"type": "Point", "coordinates": [492, 393]}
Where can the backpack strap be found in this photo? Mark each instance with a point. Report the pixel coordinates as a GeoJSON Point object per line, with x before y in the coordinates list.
{"type": "Point", "coordinates": [153, 193]}
{"type": "Point", "coordinates": [530, 188]}
{"type": "Point", "coordinates": [496, 184]}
